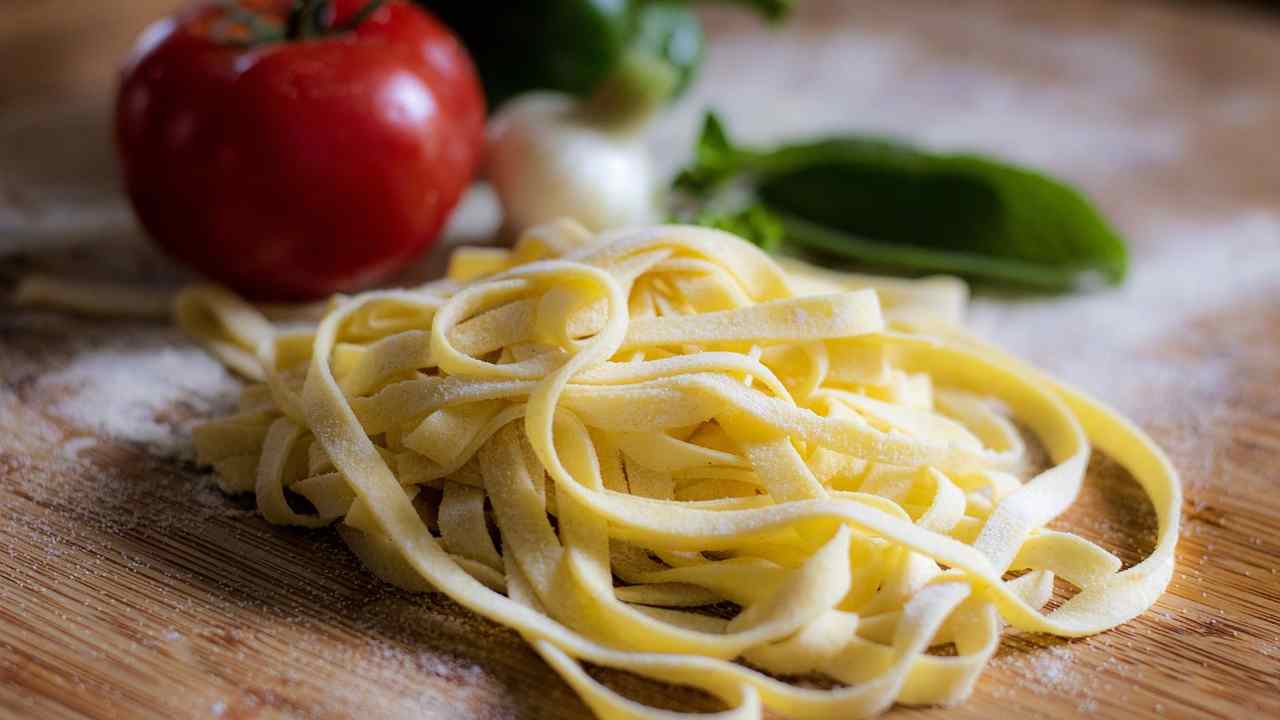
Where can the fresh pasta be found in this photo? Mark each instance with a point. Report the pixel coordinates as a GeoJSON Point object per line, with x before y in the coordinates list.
{"type": "Point", "coordinates": [591, 439]}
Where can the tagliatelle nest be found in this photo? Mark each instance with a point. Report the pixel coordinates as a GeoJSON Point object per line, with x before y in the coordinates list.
{"type": "Point", "coordinates": [657, 419]}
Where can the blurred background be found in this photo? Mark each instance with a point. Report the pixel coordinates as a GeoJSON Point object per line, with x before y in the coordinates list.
{"type": "Point", "coordinates": [64, 48]}
{"type": "Point", "coordinates": [1167, 102]}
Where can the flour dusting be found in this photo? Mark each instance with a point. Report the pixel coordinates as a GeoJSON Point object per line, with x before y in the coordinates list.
{"type": "Point", "coordinates": [147, 395]}
{"type": "Point", "coordinates": [1052, 667]}
{"type": "Point", "coordinates": [1108, 342]}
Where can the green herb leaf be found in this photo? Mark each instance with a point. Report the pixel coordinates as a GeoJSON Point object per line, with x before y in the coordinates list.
{"type": "Point", "coordinates": [881, 202]}
{"type": "Point", "coordinates": [754, 223]}
{"type": "Point", "coordinates": [714, 159]}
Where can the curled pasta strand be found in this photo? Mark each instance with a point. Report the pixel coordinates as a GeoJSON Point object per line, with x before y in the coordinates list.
{"type": "Point", "coordinates": [661, 418]}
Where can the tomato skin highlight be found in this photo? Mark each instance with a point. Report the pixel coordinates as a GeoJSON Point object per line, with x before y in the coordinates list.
{"type": "Point", "coordinates": [291, 170]}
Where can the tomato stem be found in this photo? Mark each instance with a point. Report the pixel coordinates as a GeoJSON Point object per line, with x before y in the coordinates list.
{"type": "Point", "coordinates": [241, 26]}
{"type": "Point", "coordinates": [364, 13]}
{"type": "Point", "coordinates": [307, 19]}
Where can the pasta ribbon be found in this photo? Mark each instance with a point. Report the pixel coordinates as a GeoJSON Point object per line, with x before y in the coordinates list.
{"type": "Point", "coordinates": [594, 439]}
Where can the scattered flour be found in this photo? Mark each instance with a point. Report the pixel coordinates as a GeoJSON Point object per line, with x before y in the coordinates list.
{"type": "Point", "coordinates": [72, 448]}
{"type": "Point", "coordinates": [1108, 341]}
{"type": "Point", "coordinates": [139, 395]}
{"type": "Point", "coordinates": [1052, 668]}
{"type": "Point", "coordinates": [1058, 671]}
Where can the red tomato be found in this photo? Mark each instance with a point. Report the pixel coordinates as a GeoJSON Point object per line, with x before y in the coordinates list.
{"type": "Point", "coordinates": [289, 170]}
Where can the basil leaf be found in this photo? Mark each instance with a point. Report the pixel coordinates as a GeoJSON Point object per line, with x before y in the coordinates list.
{"type": "Point", "coordinates": [882, 202]}
{"type": "Point", "coordinates": [755, 224]}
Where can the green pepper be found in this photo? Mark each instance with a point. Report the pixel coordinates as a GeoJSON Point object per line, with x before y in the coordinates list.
{"type": "Point", "coordinates": [576, 46]}
{"type": "Point", "coordinates": [880, 202]}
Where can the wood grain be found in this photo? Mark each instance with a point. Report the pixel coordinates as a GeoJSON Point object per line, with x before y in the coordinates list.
{"type": "Point", "coordinates": [129, 587]}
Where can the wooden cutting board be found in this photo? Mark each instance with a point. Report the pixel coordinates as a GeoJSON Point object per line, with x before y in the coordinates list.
{"type": "Point", "coordinates": [129, 587]}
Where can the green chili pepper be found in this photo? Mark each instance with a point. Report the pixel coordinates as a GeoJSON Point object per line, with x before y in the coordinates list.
{"type": "Point", "coordinates": [884, 203]}
{"type": "Point", "coordinates": [575, 46]}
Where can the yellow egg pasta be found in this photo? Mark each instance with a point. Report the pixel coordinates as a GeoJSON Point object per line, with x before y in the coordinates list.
{"type": "Point", "coordinates": [588, 439]}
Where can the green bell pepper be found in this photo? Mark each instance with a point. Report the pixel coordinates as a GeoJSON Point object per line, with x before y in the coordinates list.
{"type": "Point", "coordinates": [576, 46]}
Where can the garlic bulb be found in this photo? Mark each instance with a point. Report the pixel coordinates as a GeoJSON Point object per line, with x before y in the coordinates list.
{"type": "Point", "coordinates": [548, 160]}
